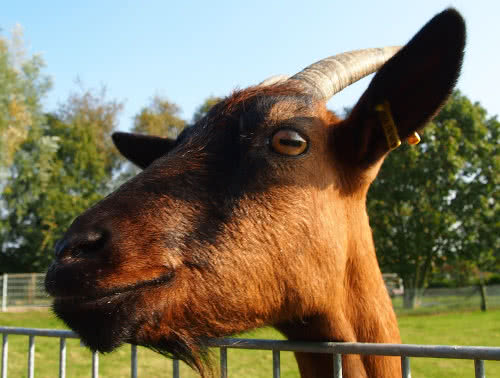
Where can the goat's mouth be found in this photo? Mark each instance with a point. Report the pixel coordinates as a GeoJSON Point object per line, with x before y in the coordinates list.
{"type": "Point", "coordinates": [99, 296]}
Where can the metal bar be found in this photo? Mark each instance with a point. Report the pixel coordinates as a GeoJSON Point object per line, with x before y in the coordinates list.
{"type": "Point", "coordinates": [4, 292]}
{"type": "Point", "coordinates": [276, 364]}
{"type": "Point", "coordinates": [5, 354]}
{"type": "Point", "coordinates": [405, 367]}
{"type": "Point", "coordinates": [223, 362]}
{"type": "Point", "coordinates": [133, 361]}
{"type": "Point", "coordinates": [95, 364]}
{"type": "Point", "coordinates": [62, 357]}
{"type": "Point", "coordinates": [337, 365]}
{"type": "Point", "coordinates": [409, 350]}
{"type": "Point", "coordinates": [31, 358]}
{"type": "Point", "coordinates": [479, 368]}
{"type": "Point", "coordinates": [175, 368]}
{"type": "Point", "coordinates": [39, 332]}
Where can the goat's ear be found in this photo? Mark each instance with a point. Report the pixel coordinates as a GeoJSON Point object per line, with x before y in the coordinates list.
{"type": "Point", "coordinates": [141, 150]}
{"type": "Point", "coordinates": [411, 88]}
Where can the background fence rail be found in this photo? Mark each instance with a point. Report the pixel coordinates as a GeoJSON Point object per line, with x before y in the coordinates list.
{"type": "Point", "coordinates": [405, 351]}
{"type": "Point", "coordinates": [23, 290]}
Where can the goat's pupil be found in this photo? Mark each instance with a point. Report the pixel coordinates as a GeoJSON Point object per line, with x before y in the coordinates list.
{"type": "Point", "coordinates": [291, 142]}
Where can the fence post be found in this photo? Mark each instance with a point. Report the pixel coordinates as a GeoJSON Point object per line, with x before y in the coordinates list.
{"type": "Point", "coordinates": [133, 361]}
{"type": "Point", "coordinates": [31, 357]}
{"type": "Point", "coordinates": [5, 354]}
{"type": "Point", "coordinates": [337, 365]}
{"type": "Point", "coordinates": [4, 292]}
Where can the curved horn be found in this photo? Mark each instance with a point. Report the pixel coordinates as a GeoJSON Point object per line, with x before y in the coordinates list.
{"type": "Point", "coordinates": [274, 80]}
{"type": "Point", "coordinates": [329, 76]}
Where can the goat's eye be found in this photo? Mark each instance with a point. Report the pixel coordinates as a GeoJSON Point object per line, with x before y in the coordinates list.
{"type": "Point", "coordinates": [288, 142]}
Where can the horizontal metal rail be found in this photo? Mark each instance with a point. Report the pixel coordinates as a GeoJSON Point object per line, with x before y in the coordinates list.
{"type": "Point", "coordinates": [39, 332]}
{"type": "Point", "coordinates": [476, 353]}
{"type": "Point", "coordinates": [410, 350]}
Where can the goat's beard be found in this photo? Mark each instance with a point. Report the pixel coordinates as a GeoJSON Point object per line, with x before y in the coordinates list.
{"type": "Point", "coordinates": [103, 324]}
{"type": "Point", "coordinates": [107, 323]}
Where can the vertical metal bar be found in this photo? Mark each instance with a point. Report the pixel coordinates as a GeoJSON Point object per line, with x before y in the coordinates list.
{"type": "Point", "coordinates": [31, 358]}
{"type": "Point", "coordinates": [175, 368]}
{"type": "Point", "coordinates": [5, 351]}
{"type": "Point", "coordinates": [405, 367]}
{"type": "Point", "coordinates": [223, 362]}
{"type": "Point", "coordinates": [276, 363]}
{"type": "Point", "coordinates": [4, 291]}
{"type": "Point", "coordinates": [62, 357]}
{"type": "Point", "coordinates": [337, 365]}
{"type": "Point", "coordinates": [479, 368]}
{"type": "Point", "coordinates": [133, 361]}
{"type": "Point", "coordinates": [95, 364]}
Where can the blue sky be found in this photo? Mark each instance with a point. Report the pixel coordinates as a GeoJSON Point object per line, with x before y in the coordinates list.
{"type": "Point", "coordinates": [188, 50]}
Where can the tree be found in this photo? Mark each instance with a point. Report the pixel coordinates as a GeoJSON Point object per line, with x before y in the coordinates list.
{"type": "Point", "coordinates": [22, 88]}
{"type": "Point", "coordinates": [204, 108]}
{"type": "Point", "coordinates": [478, 194]}
{"type": "Point", "coordinates": [61, 169]}
{"type": "Point", "coordinates": [430, 203]}
{"type": "Point", "coordinates": [160, 118]}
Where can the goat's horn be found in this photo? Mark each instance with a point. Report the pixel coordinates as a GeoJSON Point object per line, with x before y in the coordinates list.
{"type": "Point", "coordinates": [274, 80]}
{"type": "Point", "coordinates": [329, 76]}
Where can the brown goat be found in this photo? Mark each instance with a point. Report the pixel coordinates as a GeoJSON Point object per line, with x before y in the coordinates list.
{"type": "Point", "coordinates": [256, 215]}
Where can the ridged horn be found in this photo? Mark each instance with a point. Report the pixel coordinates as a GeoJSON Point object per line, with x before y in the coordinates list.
{"type": "Point", "coordinates": [274, 80]}
{"type": "Point", "coordinates": [329, 76]}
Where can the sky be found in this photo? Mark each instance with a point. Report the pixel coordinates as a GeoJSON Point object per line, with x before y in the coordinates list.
{"type": "Point", "coordinates": [189, 50]}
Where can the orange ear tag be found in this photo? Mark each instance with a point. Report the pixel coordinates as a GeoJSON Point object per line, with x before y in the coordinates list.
{"type": "Point", "coordinates": [413, 139]}
{"type": "Point", "coordinates": [390, 130]}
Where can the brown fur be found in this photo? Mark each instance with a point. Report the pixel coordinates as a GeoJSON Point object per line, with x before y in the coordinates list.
{"type": "Point", "coordinates": [221, 234]}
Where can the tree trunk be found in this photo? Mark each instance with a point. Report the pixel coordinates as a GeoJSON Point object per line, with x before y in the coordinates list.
{"type": "Point", "coordinates": [411, 298]}
{"type": "Point", "coordinates": [482, 292]}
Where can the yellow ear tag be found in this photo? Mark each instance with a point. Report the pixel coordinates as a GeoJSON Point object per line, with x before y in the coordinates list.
{"type": "Point", "coordinates": [413, 139]}
{"type": "Point", "coordinates": [388, 125]}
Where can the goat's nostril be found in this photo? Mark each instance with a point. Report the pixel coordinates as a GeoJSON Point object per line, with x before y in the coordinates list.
{"type": "Point", "coordinates": [77, 244]}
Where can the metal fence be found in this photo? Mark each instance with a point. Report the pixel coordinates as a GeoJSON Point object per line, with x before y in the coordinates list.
{"type": "Point", "coordinates": [477, 354]}
{"type": "Point", "coordinates": [23, 290]}
{"type": "Point", "coordinates": [446, 299]}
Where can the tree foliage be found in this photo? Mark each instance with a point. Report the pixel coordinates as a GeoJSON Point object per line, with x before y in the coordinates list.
{"type": "Point", "coordinates": [22, 88]}
{"type": "Point", "coordinates": [160, 118]}
{"type": "Point", "coordinates": [437, 203]}
{"type": "Point", "coordinates": [62, 168]}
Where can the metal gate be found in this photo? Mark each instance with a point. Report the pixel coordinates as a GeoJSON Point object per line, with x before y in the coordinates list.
{"type": "Point", "coordinates": [405, 351]}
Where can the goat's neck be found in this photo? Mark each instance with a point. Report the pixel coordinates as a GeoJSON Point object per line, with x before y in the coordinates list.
{"type": "Point", "coordinates": [359, 310]}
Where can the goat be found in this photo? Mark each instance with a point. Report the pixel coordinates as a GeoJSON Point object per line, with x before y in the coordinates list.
{"type": "Point", "coordinates": [256, 215]}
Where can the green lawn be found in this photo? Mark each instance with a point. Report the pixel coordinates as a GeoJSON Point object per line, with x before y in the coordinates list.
{"type": "Point", "coordinates": [465, 328]}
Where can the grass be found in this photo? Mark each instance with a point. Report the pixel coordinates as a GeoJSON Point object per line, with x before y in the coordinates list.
{"type": "Point", "coordinates": [460, 328]}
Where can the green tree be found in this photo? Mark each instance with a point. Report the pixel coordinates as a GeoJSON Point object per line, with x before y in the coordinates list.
{"type": "Point", "coordinates": [61, 169]}
{"type": "Point", "coordinates": [431, 204]}
{"type": "Point", "coordinates": [22, 88]}
{"type": "Point", "coordinates": [478, 195]}
{"type": "Point", "coordinates": [160, 118]}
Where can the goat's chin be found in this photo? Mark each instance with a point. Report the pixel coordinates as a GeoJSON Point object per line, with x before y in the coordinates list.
{"type": "Point", "coordinates": [103, 324]}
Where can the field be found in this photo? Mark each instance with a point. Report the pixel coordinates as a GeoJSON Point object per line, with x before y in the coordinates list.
{"type": "Point", "coordinates": [463, 328]}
